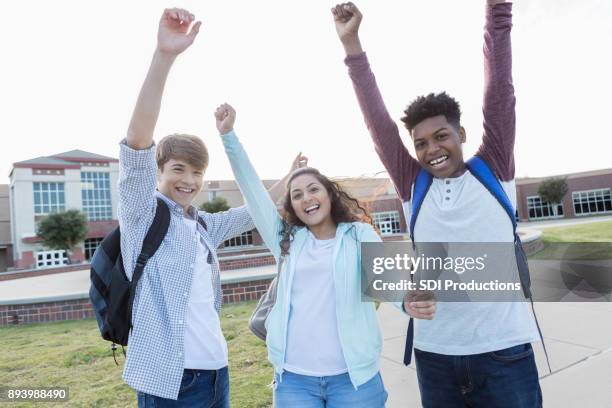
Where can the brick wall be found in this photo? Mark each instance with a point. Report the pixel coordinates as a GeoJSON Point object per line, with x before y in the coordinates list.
{"type": "Point", "coordinates": [82, 309]}
{"type": "Point", "coordinates": [243, 291]}
{"type": "Point", "coordinates": [45, 312]}
{"type": "Point", "coordinates": [227, 264]}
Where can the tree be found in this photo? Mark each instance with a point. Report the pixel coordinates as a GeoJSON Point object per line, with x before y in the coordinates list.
{"type": "Point", "coordinates": [552, 191]}
{"type": "Point", "coordinates": [217, 204]}
{"type": "Point", "coordinates": [63, 230]}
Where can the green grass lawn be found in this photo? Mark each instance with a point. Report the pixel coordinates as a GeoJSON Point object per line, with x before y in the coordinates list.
{"type": "Point", "coordinates": [556, 242]}
{"type": "Point", "coordinates": [72, 354]}
{"type": "Point", "coordinates": [592, 232]}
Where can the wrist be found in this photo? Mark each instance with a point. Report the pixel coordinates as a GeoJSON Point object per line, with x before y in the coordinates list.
{"type": "Point", "coordinates": [225, 132]}
{"type": "Point", "coordinates": [352, 45]}
{"type": "Point", "coordinates": [165, 57]}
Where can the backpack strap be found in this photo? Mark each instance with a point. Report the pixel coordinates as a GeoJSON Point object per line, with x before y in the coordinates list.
{"type": "Point", "coordinates": [421, 187]}
{"type": "Point", "coordinates": [483, 173]}
{"type": "Point", "coordinates": [155, 235]}
{"type": "Point", "coordinates": [202, 222]}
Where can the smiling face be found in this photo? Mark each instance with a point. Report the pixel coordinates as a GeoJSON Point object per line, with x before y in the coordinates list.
{"type": "Point", "coordinates": [180, 181]}
{"type": "Point", "coordinates": [438, 147]}
{"type": "Point", "coordinates": [310, 200]}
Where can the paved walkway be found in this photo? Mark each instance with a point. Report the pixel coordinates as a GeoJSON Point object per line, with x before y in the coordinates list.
{"type": "Point", "coordinates": [75, 285]}
{"type": "Point", "coordinates": [578, 338]}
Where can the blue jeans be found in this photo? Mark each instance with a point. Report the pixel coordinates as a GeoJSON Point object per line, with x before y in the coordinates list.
{"type": "Point", "coordinates": [199, 388]}
{"type": "Point", "coordinates": [337, 391]}
{"type": "Point", "coordinates": [500, 379]}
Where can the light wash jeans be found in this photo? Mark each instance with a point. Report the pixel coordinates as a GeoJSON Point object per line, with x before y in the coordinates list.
{"type": "Point", "coordinates": [337, 391]}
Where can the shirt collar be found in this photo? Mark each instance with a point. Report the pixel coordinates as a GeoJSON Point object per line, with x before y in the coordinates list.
{"type": "Point", "coordinates": [192, 211]}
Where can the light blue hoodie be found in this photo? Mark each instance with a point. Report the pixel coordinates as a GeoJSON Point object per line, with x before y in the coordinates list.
{"type": "Point", "coordinates": [358, 328]}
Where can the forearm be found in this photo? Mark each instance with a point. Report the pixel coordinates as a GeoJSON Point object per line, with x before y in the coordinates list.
{"type": "Point", "coordinates": [261, 207]}
{"type": "Point", "coordinates": [498, 51]}
{"type": "Point", "coordinates": [146, 112]}
{"type": "Point", "coordinates": [352, 45]}
{"type": "Point", "coordinates": [499, 99]}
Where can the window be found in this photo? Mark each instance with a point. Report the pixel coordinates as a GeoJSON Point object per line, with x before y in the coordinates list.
{"type": "Point", "coordinates": [96, 195]}
{"type": "Point", "coordinates": [45, 259]}
{"type": "Point", "coordinates": [49, 198]}
{"type": "Point", "coordinates": [539, 210]}
{"type": "Point", "coordinates": [90, 247]}
{"type": "Point", "coordinates": [245, 239]}
{"type": "Point", "coordinates": [592, 201]}
{"type": "Point", "coordinates": [388, 222]}
{"type": "Point", "coordinates": [212, 195]}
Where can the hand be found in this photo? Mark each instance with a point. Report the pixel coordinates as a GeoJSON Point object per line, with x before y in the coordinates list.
{"type": "Point", "coordinates": [347, 18]}
{"type": "Point", "coordinates": [225, 116]}
{"type": "Point", "coordinates": [420, 304]}
{"type": "Point", "coordinates": [173, 35]}
{"type": "Point", "coordinates": [299, 162]}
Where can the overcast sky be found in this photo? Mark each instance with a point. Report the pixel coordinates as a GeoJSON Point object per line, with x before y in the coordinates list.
{"type": "Point", "coordinates": [71, 71]}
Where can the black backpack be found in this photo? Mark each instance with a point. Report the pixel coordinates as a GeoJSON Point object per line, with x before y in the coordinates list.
{"type": "Point", "coordinates": [111, 293]}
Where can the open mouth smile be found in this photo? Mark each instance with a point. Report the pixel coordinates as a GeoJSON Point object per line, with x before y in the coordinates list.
{"type": "Point", "coordinates": [312, 209]}
{"type": "Point", "coordinates": [438, 161]}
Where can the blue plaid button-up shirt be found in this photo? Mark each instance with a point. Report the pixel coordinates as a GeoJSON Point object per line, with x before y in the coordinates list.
{"type": "Point", "coordinates": [155, 355]}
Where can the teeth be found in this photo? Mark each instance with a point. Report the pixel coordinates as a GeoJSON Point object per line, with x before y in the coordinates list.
{"type": "Point", "coordinates": [184, 190]}
{"type": "Point", "coordinates": [438, 160]}
{"type": "Point", "coordinates": [311, 208]}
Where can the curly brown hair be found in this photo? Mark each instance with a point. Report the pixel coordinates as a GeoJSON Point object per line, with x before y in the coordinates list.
{"type": "Point", "coordinates": [344, 208]}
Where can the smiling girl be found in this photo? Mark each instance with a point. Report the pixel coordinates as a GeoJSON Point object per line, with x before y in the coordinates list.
{"type": "Point", "coordinates": [323, 340]}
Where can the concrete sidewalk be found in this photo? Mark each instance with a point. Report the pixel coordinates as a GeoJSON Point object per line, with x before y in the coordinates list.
{"type": "Point", "coordinates": [578, 338]}
{"type": "Point", "coordinates": [75, 285]}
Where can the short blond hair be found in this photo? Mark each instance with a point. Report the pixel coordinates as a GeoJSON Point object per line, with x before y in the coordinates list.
{"type": "Point", "coordinates": [188, 148]}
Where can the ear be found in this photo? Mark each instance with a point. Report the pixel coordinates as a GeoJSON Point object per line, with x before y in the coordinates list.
{"type": "Point", "coordinates": [159, 172]}
{"type": "Point", "coordinates": [462, 134]}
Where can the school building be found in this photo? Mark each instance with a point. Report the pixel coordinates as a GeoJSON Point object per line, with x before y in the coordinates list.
{"type": "Point", "coordinates": [588, 193]}
{"type": "Point", "coordinates": [87, 182]}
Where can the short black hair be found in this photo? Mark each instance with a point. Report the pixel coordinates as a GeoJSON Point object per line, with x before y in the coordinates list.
{"type": "Point", "coordinates": [425, 107]}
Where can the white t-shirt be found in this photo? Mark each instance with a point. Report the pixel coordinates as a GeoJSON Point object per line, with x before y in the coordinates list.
{"type": "Point", "coordinates": [313, 342]}
{"type": "Point", "coordinates": [205, 346]}
{"type": "Point", "coordinates": [462, 210]}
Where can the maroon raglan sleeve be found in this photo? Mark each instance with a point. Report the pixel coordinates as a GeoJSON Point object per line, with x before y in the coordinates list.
{"type": "Point", "coordinates": [497, 147]}
{"type": "Point", "coordinates": [402, 167]}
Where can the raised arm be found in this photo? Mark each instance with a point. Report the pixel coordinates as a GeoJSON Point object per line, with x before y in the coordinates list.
{"type": "Point", "coordinates": [395, 157]}
{"type": "Point", "coordinates": [173, 37]}
{"type": "Point", "coordinates": [499, 101]}
{"type": "Point", "coordinates": [258, 201]}
{"type": "Point", "coordinates": [137, 180]}
{"type": "Point", "coordinates": [137, 167]}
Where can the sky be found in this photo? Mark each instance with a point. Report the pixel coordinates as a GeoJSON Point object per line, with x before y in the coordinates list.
{"type": "Point", "coordinates": [71, 71]}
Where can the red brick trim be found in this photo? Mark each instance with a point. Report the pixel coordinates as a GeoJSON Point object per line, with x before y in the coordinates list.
{"type": "Point", "coordinates": [82, 309]}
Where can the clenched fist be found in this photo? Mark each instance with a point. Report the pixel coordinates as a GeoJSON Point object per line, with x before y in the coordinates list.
{"type": "Point", "coordinates": [225, 116]}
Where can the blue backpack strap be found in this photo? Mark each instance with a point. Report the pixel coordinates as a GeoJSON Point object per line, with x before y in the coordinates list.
{"type": "Point", "coordinates": [421, 187]}
{"type": "Point", "coordinates": [483, 173]}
